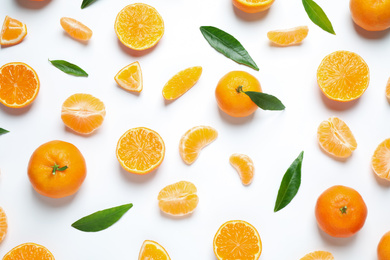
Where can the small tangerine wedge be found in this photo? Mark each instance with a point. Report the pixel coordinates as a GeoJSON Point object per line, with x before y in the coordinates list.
{"type": "Point", "coordinates": [76, 29]}
{"type": "Point", "coordinates": [380, 160]}
{"type": "Point", "coordinates": [30, 251]}
{"type": "Point", "coordinates": [140, 150]}
{"type": "Point", "coordinates": [12, 32]}
{"type": "Point", "coordinates": [244, 166]}
{"type": "Point", "coordinates": [151, 250]}
{"type": "Point", "coordinates": [83, 113]}
{"type": "Point", "coordinates": [19, 85]}
{"type": "Point", "coordinates": [3, 224]}
{"type": "Point", "coordinates": [383, 249]}
{"type": "Point", "coordinates": [139, 26]}
{"type": "Point", "coordinates": [318, 255]}
{"type": "Point", "coordinates": [253, 6]}
{"type": "Point", "coordinates": [181, 83]}
{"type": "Point", "coordinates": [178, 199]}
{"type": "Point", "coordinates": [288, 36]}
{"type": "Point", "coordinates": [130, 77]}
{"type": "Point", "coordinates": [388, 90]}
{"type": "Point", "coordinates": [343, 76]}
{"type": "Point", "coordinates": [335, 138]}
{"type": "Point", "coordinates": [237, 239]}
{"type": "Point", "coordinates": [194, 140]}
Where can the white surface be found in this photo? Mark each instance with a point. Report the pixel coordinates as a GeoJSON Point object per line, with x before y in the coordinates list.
{"type": "Point", "coordinates": [272, 139]}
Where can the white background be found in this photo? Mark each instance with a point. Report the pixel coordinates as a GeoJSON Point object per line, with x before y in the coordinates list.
{"type": "Point", "coordinates": [272, 139]}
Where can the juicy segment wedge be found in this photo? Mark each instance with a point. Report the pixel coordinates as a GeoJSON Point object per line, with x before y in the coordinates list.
{"type": "Point", "coordinates": [380, 161]}
{"type": "Point", "coordinates": [76, 29]}
{"type": "Point", "coordinates": [194, 140]}
{"type": "Point", "coordinates": [178, 199]}
{"type": "Point", "coordinates": [3, 224]}
{"type": "Point", "coordinates": [130, 77]}
{"type": "Point", "coordinates": [181, 83]}
{"type": "Point", "coordinates": [244, 166]}
{"type": "Point", "coordinates": [253, 6]}
{"type": "Point", "coordinates": [152, 250]}
{"type": "Point", "coordinates": [237, 239]}
{"type": "Point", "coordinates": [30, 251]}
{"type": "Point", "coordinates": [12, 32]}
{"type": "Point", "coordinates": [318, 255]}
{"type": "Point", "coordinates": [140, 150]}
{"type": "Point", "coordinates": [289, 36]}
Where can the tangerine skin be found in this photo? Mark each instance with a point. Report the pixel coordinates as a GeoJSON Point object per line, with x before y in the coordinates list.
{"type": "Point", "coordinates": [371, 15]}
{"type": "Point", "coordinates": [383, 249]}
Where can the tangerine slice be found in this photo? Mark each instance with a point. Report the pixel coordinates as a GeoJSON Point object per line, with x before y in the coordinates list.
{"type": "Point", "coordinates": [244, 166]}
{"type": "Point", "coordinates": [181, 83]}
{"type": "Point", "coordinates": [237, 239]}
{"type": "Point", "coordinates": [288, 36]}
{"type": "Point", "coordinates": [178, 199]}
{"type": "Point", "coordinates": [140, 150]}
{"type": "Point", "coordinates": [12, 32]}
{"type": "Point", "coordinates": [3, 224]}
{"type": "Point", "coordinates": [151, 250]}
{"type": "Point", "coordinates": [335, 138]}
{"type": "Point", "coordinates": [130, 77]}
{"type": "Point", "coordinates": [318, 255]}
{"type": "Point", "coordinates": [388, 90]}
{"type": "Point", "coordinates": [30, 251]}
{"type": "Point", "coordinates": [380, 161]}
{"type": "Point", "coordinates": [194, 140]}
{"type": "Point", "coordinates": [253, 6]}
{"type": "Point", "coordinates": [19, 85]}
{"type": "Point", "coordinates": [76, 29]}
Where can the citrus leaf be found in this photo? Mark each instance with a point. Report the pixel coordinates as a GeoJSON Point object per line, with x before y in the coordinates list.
{"type": "Point", "coordinates": [86, 3]}
{"type": "Point", "coordinates": [265, 101]}
{"type": "Point", "coordinates": [317, 15]}
{"type": "Point", "coordinates": [227, 45]}
{"type": "Point", "coordinates": [290, 184]}
{"type": "Point", "coordinates": [69, 68]}
{"type": "Point", "coordinates": [102, 219]}
{"type": "Point", "coordinates": [3, 131]}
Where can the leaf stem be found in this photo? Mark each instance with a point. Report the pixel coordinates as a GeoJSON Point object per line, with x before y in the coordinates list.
{"type": "Point", "coordinates": [239, 89]}
{"type": "Point", "coordinates": [56, 167]}
{"type": "Point", "coordinates": [343, 210]}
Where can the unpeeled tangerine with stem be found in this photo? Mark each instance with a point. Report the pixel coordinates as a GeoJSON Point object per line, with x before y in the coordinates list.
{"type": "Point", "coordinates": [244, 166]}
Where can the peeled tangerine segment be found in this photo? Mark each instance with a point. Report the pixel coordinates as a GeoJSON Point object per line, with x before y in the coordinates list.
{"type": "Point", "coordinates": [388, 90]}
{"type": "Point", "coordinates": [318, 255]}
{"type": "Point", "coordinates": [152, 250]}
{"type": "Point", "coordinates": [76, 29]}
{"type": "Point", "coordinates": [244, 166]}
{"type": "Point", "coordinates": [181, 83]}
{"type": "Point", "coordinates": [380, 161]}
{"type": "Point", "coordinates": [3, 224]}
{"type": "Point", "coordinates": [288, 36]}
{"type": "Point", "coordinates": [130, 77]}
{"type": "Point", "coordinates": [194, 140]}
{"type": "Point", "coordinates": [335, 138]}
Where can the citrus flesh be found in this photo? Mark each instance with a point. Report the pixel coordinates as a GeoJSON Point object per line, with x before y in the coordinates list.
{"type": "Point", "coordinates": [30, 251]}
{"type": "Point", "coordinates": [3, 224]}
{"type": "Point", "coordinates": [318, 255]}
{"type": "Point", "coordinates": [12, 32]}
{"type": "Point", "coordinates": [151, 250]}
{"type": "Point", "coordinates": [76, 29]}
{"type": "Point", "coordinates": [288, 36]}
{"type": "Point", "coordinates": [380, 160]}
{"type": "Point", "coordinates": [130, 77]}
{"type": "Point", "coordinates": [181, 83]}
{"type": "Point", "coordinates": [253, 6]}
{"type": "Point", "coordinates": [244, 166]}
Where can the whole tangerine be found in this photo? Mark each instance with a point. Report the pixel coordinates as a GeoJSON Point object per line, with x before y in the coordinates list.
{"type": "Point", "coordinates": [371, 15]}
{"type": "Point", "coordinates": [230, 97]}
{"type": "Point", "coordinates": [57, 169]}
{"type": "Point", "coordinates": [383, 249]}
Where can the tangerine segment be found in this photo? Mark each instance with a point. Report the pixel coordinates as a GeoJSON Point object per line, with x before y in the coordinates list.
{"type": "Point", "coordinates": [130, 77]}
{"type": "Point", "coordinates": [253, 6]}
{"type": "Point", "coordinates": [237, 239]}
{"type": "Point", "coordinates": [3, 224]}
{"type": "Point", "coordinates": [335, 138]}
{"type": "Point", "coordinates": [380, 161]}
{"type": "Point", "coordinates": [194, 140]}
{"type": "Point", "coordinates": [151, 250]}
{"type": "Point", "coordinates": [83, 113]}
{"type": "Point", "coordinates": [139, 26]}
{"type": "Point", "coordinates": [343, 76]}
{"type": "Point", "coordinates": [12, 32]}
{"type": "Point", "coordinates": [30, 251]}
{"type": "Point", "coordinates": [140, 150]}
{"type": "Point", "coordinates": [178, 199]}
{"type": "Point", "coordinates": [318, 255]}
{"type": "Point", "coordinates": [181, 83]}
{"type": "Point", "coordinates": [289, 36]}
{"type": "Point", "coordinates": [76, 29]}
{"type": "Point", "coordinates": [244, 166]}
{"type": "Point", "coordinates": [388, 90]}
{"type": "Point", "coordinates": [19, 85]}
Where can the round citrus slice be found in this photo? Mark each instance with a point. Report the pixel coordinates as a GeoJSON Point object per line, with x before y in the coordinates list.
{"type": "Point", "coordinates": [76, 29]}
{"type": "Point", "coordinates": [130, 77]}
{"type": "Point", "coordinates": [19, 85]}
{"type": "Point", "coordinates": [12, 32]}
{"type": "Point", "coordinates": [83, 113]}
{"type": "Point", "coordinates": [181, 83]}
{"type": "Point", "coordinates": [288, 36]}
{"type": "Point", "coordinates": [318, 255]}
{"type": "Point", "coordinates": [244, 166]}
{"type": "Point", "coordinates": [343, 76]}
{"type": "Point", "coordinates": [335, 138]}
{"type": "Point", "coordinates": [3, 224]}
{"type": "Point", "coordinates": [253, 6]}
{"type": "Point", "coordinates": [30, 251]}
{"type": "Point", "coordinates": [388, 90]}
{"type": "Point", "coordinates": [140, 150]}
{"type": "Point", "coordinates": [139, 26]}
{"type": "Point", "coordinates": [151, 250]}
{"type": "Point", "coordinates": [380, 161]}
{"type": "Point", "coordinates": [178, 199]}
{"type": "Point", "coordinates": [237, 239]}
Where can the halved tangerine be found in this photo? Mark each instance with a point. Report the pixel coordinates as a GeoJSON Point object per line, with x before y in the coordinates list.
{"type": "Point", "coordinates": [30, 251]}
{"type": "Point", "coordinates": [318, 255]}
{"type": "Point", "coordinates": [178, 199]}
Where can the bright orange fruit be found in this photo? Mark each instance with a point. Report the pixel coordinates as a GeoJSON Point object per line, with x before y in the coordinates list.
{"type": "Point", "coordinates": [83, 113]}
{"type": "Point", "coordinates": [12, 32]}
{"type": "Point", "coordinates": [253, 6]}
{"type": "Point", "coordinates": [140, 150]}
{"type": "Point", "coordinates": [237, 239]}
{"type": "Point", "coordinates": [335, 138]}
{"type": "Point", "coordinates": [181, 83]}
{"type": "Point", "coordinates": [388, 90]}
{"type": "Point", "coordinates": [30, 251]}
{"type": "Point", "coordinates": [19, 85]}
{"type": "Point", "coordinates": [130, 77]}
{"type": "Point", "coordinates": [318, 255]}
{"type": "Point", "coordinates": [244, 166]}
{"type": "Point", "coordinates": [383, 249]}
{"type": "Point", "coordinates": [139, 26]}
{"type": "Point", "coordinates": [380, 161]}
{"type": "Point", "coordinates": [151, 250]}
{"type": "Point", "coordinates": [343, 76]}
{"type": "Point", "coordinates": [76, 29]}
{"type": "Point", "coordinates": [178, 199]}
{"type": "Point", "coordinates": [3, 224]}
{"type": "Point", "coordinates": [288, 36]}
{"type": "Point", "coordinates": [194, 140]}
{"type": "Point", "coordinates": [371, 15]}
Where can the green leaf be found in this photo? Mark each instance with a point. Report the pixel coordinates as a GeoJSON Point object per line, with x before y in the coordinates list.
{"type": "Point", "coordinates": [69, 68]}
{"type": "Point", "coordinates": [227, 45]}
{"type": "Point", "coordinates": [3, 131]}
{"type": "Point", "coordinates": [265, 101]}
{"type": "Point", "coordinates": [102, 219]}
{"type": "Point", "coordinates": [318, 16]}
{"type": "Point", "coordinates": [290, 184]}
{"type": "Point", "coordinates": [86, 3]}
